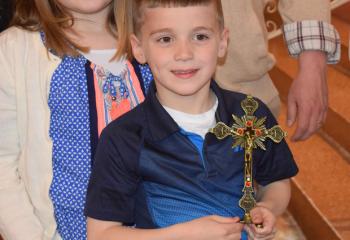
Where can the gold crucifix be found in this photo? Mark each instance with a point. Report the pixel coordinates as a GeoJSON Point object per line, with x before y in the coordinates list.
{"type": "Point", "coordinates": [249, 132]}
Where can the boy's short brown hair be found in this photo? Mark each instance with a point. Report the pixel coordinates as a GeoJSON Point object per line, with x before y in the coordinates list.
{"type": "Point", "coordinates": [140, 5]}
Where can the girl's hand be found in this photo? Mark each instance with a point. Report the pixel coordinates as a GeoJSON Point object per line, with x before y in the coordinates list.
{"type": "Point", "coordinates": [212, 227]}
{"type": "Point", "coordinates": [261, 215]}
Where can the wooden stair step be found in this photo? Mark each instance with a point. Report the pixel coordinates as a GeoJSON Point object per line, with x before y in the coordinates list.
{"type": "Point", "coordinates": [323, 182]}
{"type": "Point", "coordinates": [288, 228]}
{"type": "Point", "coordinates": [320, 199]}
{"type": "Point", "coordinates": [343, 28]}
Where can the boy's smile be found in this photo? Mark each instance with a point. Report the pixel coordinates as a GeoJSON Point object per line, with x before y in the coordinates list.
{"type": "Point", "coordinates": [181, 46]}
{"type": "Point", "coordinates": [185, 73]}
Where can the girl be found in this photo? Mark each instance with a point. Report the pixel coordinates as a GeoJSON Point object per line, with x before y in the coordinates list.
{"type": "Point", "coordinates": [64, 76]}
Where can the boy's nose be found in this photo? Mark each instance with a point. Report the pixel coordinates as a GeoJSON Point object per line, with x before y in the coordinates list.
{"type": "Point", "coordinates": [183, 51]}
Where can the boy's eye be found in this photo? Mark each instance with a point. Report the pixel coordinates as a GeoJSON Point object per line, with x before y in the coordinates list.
{"type": "Point", "coordinates": [164, 39]}
{"type": "Point", "coordinates": [200, 37]}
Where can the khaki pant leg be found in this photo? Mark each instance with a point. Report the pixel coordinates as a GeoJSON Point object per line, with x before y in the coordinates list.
{"type": "Point", "coordinates": [262, 88]}
{"type": "Point", "coordinates": [275, 106]}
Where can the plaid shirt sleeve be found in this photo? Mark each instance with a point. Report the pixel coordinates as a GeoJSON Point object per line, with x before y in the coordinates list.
{"type": "Point", "coordinates": [312, 35]}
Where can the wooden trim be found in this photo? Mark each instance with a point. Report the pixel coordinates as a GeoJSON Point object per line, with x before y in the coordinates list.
{"type": "Point", "coordinates": [311, 221]}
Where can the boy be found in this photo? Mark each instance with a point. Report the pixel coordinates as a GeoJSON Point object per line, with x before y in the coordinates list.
{"type": "Point", "coordinates": [157, 167]}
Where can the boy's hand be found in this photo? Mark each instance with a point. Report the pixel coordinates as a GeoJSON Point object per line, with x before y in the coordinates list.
{"type": "Point", "coordinates": [261, 215]}
{"type": "Point", "coordinates": [213, 227]}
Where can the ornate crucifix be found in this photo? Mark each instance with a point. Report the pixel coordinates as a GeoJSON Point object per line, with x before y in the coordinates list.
{"type": "Point", "coordinates": [249, 132]}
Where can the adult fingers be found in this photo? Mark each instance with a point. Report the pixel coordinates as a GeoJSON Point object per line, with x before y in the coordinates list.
{"type": "Point", "coordinates": [291, 111]}
{"type": "Point", "coordinates": [302, 123]}
{"type": "Point", "coordinates": [310, 119]}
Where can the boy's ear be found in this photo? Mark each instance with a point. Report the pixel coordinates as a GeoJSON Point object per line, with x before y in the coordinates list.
{"type": "Point", "coordinates": [137, 49]}
{"type": "Point", "coordinates": [223, 43]}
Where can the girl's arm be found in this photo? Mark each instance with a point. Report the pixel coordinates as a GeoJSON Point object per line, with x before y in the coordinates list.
{"type": "Point", "coordinates": [17, 218]}
{"type": "Point", "coordinates": [205, 228]}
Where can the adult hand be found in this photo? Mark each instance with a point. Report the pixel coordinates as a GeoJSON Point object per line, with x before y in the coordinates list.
{"type": "Point", "coordinates": [213, 227]}
{"type": "Point", "coordinates": [261, 215]}
{"type": "Point", "coordinates": [308, 95]}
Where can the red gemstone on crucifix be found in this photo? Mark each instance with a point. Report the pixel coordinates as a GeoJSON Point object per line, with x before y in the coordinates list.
{"type": "Point", "coordinates": [249, 123]}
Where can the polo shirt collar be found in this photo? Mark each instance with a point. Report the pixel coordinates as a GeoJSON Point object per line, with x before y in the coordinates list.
{"type": "Point", "coordinates": [161, 124]}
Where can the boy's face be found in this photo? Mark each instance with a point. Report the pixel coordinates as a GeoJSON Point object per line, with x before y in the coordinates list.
{"type": "Point", "coordinates": [181, 46]}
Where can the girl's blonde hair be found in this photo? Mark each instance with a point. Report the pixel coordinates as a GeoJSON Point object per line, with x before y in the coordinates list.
{"type": "Point", "coordinates": [51, 18]}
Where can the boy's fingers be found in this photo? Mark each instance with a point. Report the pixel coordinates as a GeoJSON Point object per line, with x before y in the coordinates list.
{"type": "Point", "coordinates": [266, 229]}
{"type": "Point", "coordinates": [256, 215]}
{"type": "Point", "coordinates": [220, 219]}
{"type": "Point", "coordinates": [258, 219]}
{"type": "Point", "coordinates": [265, 236]}
{"type": "Point", "coordinates": [259, 234]}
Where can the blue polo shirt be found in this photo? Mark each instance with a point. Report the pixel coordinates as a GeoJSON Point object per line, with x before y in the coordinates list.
{"type": "Point", "coordinates": [148, 172]}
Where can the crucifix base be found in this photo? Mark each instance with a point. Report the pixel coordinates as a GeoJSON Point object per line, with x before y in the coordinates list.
{"type": "Point", "coordinates": [247, 219]}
